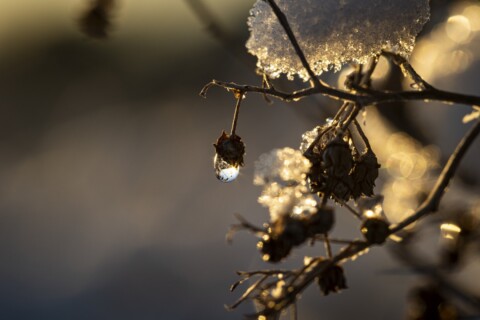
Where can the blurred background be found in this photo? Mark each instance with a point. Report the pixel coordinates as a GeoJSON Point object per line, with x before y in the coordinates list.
{"type": "Point", "coordinates": [109, 207]}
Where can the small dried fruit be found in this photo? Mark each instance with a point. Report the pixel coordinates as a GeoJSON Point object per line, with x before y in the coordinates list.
{"type": "Point", "coordinates": [332, 279]}
{"type": "Point", "coordinates": [375, 230]}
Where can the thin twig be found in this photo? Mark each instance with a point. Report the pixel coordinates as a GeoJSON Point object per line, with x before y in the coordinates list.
{"type": "Point", "coordinates": [408, 70]}
{"type": "Point", "coordinates": [239, 97]}
{"type": "Point", "coordinates": [286, 26]}
{"type": "Point", "coordinates": [328, 247]}
{"type": "Point", "coordinates": [365, 97]}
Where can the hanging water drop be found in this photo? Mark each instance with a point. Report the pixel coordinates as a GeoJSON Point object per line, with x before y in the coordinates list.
{"type": "Point", "coordinates": [224, 171]}
{"type": "Point", "coordinates": [228, 157]}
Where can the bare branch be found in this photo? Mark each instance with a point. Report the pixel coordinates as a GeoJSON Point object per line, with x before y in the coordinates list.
{"type": "Point", "coordinates": [431, 203]}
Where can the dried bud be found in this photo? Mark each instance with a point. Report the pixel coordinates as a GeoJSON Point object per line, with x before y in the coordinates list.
{"type": "Point", "coordinates": [375, 230]}
{"type": "Point", "coordinates": [274, 249]}
{"type": "Point", "coordinates": [290, 229]}
{"type": "Point", "coordinates": [230, 148]}
{"type": "Point", "coordinates": [332, 279]}
{"type": "Point", "coordinates": [320, 222]}
{"type": "Point", "coordinates": [337, 159]}
{"type": "Point", "coordinates": [229, 156]}
{"type": "Point", "coordinates": [283, 234]}
{"type": "Point", "coordinates": [364, 174]}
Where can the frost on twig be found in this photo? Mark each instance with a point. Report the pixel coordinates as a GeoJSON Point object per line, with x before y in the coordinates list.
{"type": "Point", "coordinates": [333, 32]}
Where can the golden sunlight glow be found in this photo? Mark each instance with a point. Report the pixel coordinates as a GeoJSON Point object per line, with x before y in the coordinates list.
{"type": "Point", "coordinates": [458, 29]}
{"type": "Point", "coordinates": [370, 214]}
{"type": "Point", "coordinates": [472, 13]}
{"type": "Point", "coordinates": [450, 231]}
{"type": "Point", "coordinates": [408, 163]}
{"type": "Point", "coordinates": [382, 69]}
{"type": "Point", "coordinates": [450, 47]}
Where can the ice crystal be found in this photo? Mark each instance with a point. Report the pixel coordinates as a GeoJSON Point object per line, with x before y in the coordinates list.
{"type": "Point", "coordinates": [333, 32]}
{"type": "Point", "coordinates": [287, 165]}
{"type": "Point", "coordinates": [308, 138]}
{"type": "Point", "coordinates": [282, 172]}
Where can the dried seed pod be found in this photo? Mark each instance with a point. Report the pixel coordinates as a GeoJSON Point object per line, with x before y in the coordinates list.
{"type": "Point", "coordinates": [320, 222]}
{"type": "Point", "coordinates": [364, 174]}
{"type": "Point", "coordinates": [332, 279]}
{"type": "Point", "coordinates": [337, 158]}
{"type": "Point", "coordinates": [274, 249]}
{"type": "Point", "coordinates": [289, 228]}
{"type": "Point", "coordinates": [283, 234]}
{"type": "Point", "coordinates": [375, 230]}
{"type": "Point", "coordinates": [229, 156]}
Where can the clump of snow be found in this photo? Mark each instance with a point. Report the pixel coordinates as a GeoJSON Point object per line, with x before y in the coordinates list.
{"type": "Point", "coordinates": [333, 32]}
{"type": "Point", "coordinates": [282, 173]}
{"type": "Point", "coordinates": [287, 165]}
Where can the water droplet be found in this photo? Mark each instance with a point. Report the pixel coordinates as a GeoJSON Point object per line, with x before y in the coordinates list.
{"type": "Point", "coordinates": [224, 171]}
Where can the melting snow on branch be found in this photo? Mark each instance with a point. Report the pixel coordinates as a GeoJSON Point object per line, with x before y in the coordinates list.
{"type": "Point", "coordinates": [282, 174]}
{"type": "Point", "coordinates": [333, 32]}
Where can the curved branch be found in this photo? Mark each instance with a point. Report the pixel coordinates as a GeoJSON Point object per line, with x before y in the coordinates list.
{"type": "Point", "coordinates": [431, 203]}
{"type": "Point", "coordinates": [363, 97]}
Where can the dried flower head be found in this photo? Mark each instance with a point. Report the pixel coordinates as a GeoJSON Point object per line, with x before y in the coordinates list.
{"type": "Point", "coordinates": [364, 174]}
{"type": "Point", "coordinates": [228, 157]}
{"type": "Point", "coordinates": [375, 230]}
{"type": "Point", "coordinates": [332, 279]}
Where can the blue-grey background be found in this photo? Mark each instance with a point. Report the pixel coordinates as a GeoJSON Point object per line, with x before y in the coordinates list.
{"type": "Point", "coordinates": [109, 208]}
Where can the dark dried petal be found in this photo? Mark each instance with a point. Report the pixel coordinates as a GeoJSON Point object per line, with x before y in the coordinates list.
{"type": "Point", "coordinates": [320, 222]}
{"type": "Point", "coordinates": [274, 250]}
{"type": "Point", "coordinates": [231, 149]}
{"type": "Point", "coordinates": [364, 174]}
{"type": "Point", "coordinates": [375, 230]}
{"type": "Point", "coordinates": [342, 189]}
{"type": "Point", "coordinates": [337, 159]}
{"type": "Point", "coordinates": [289, 229]}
